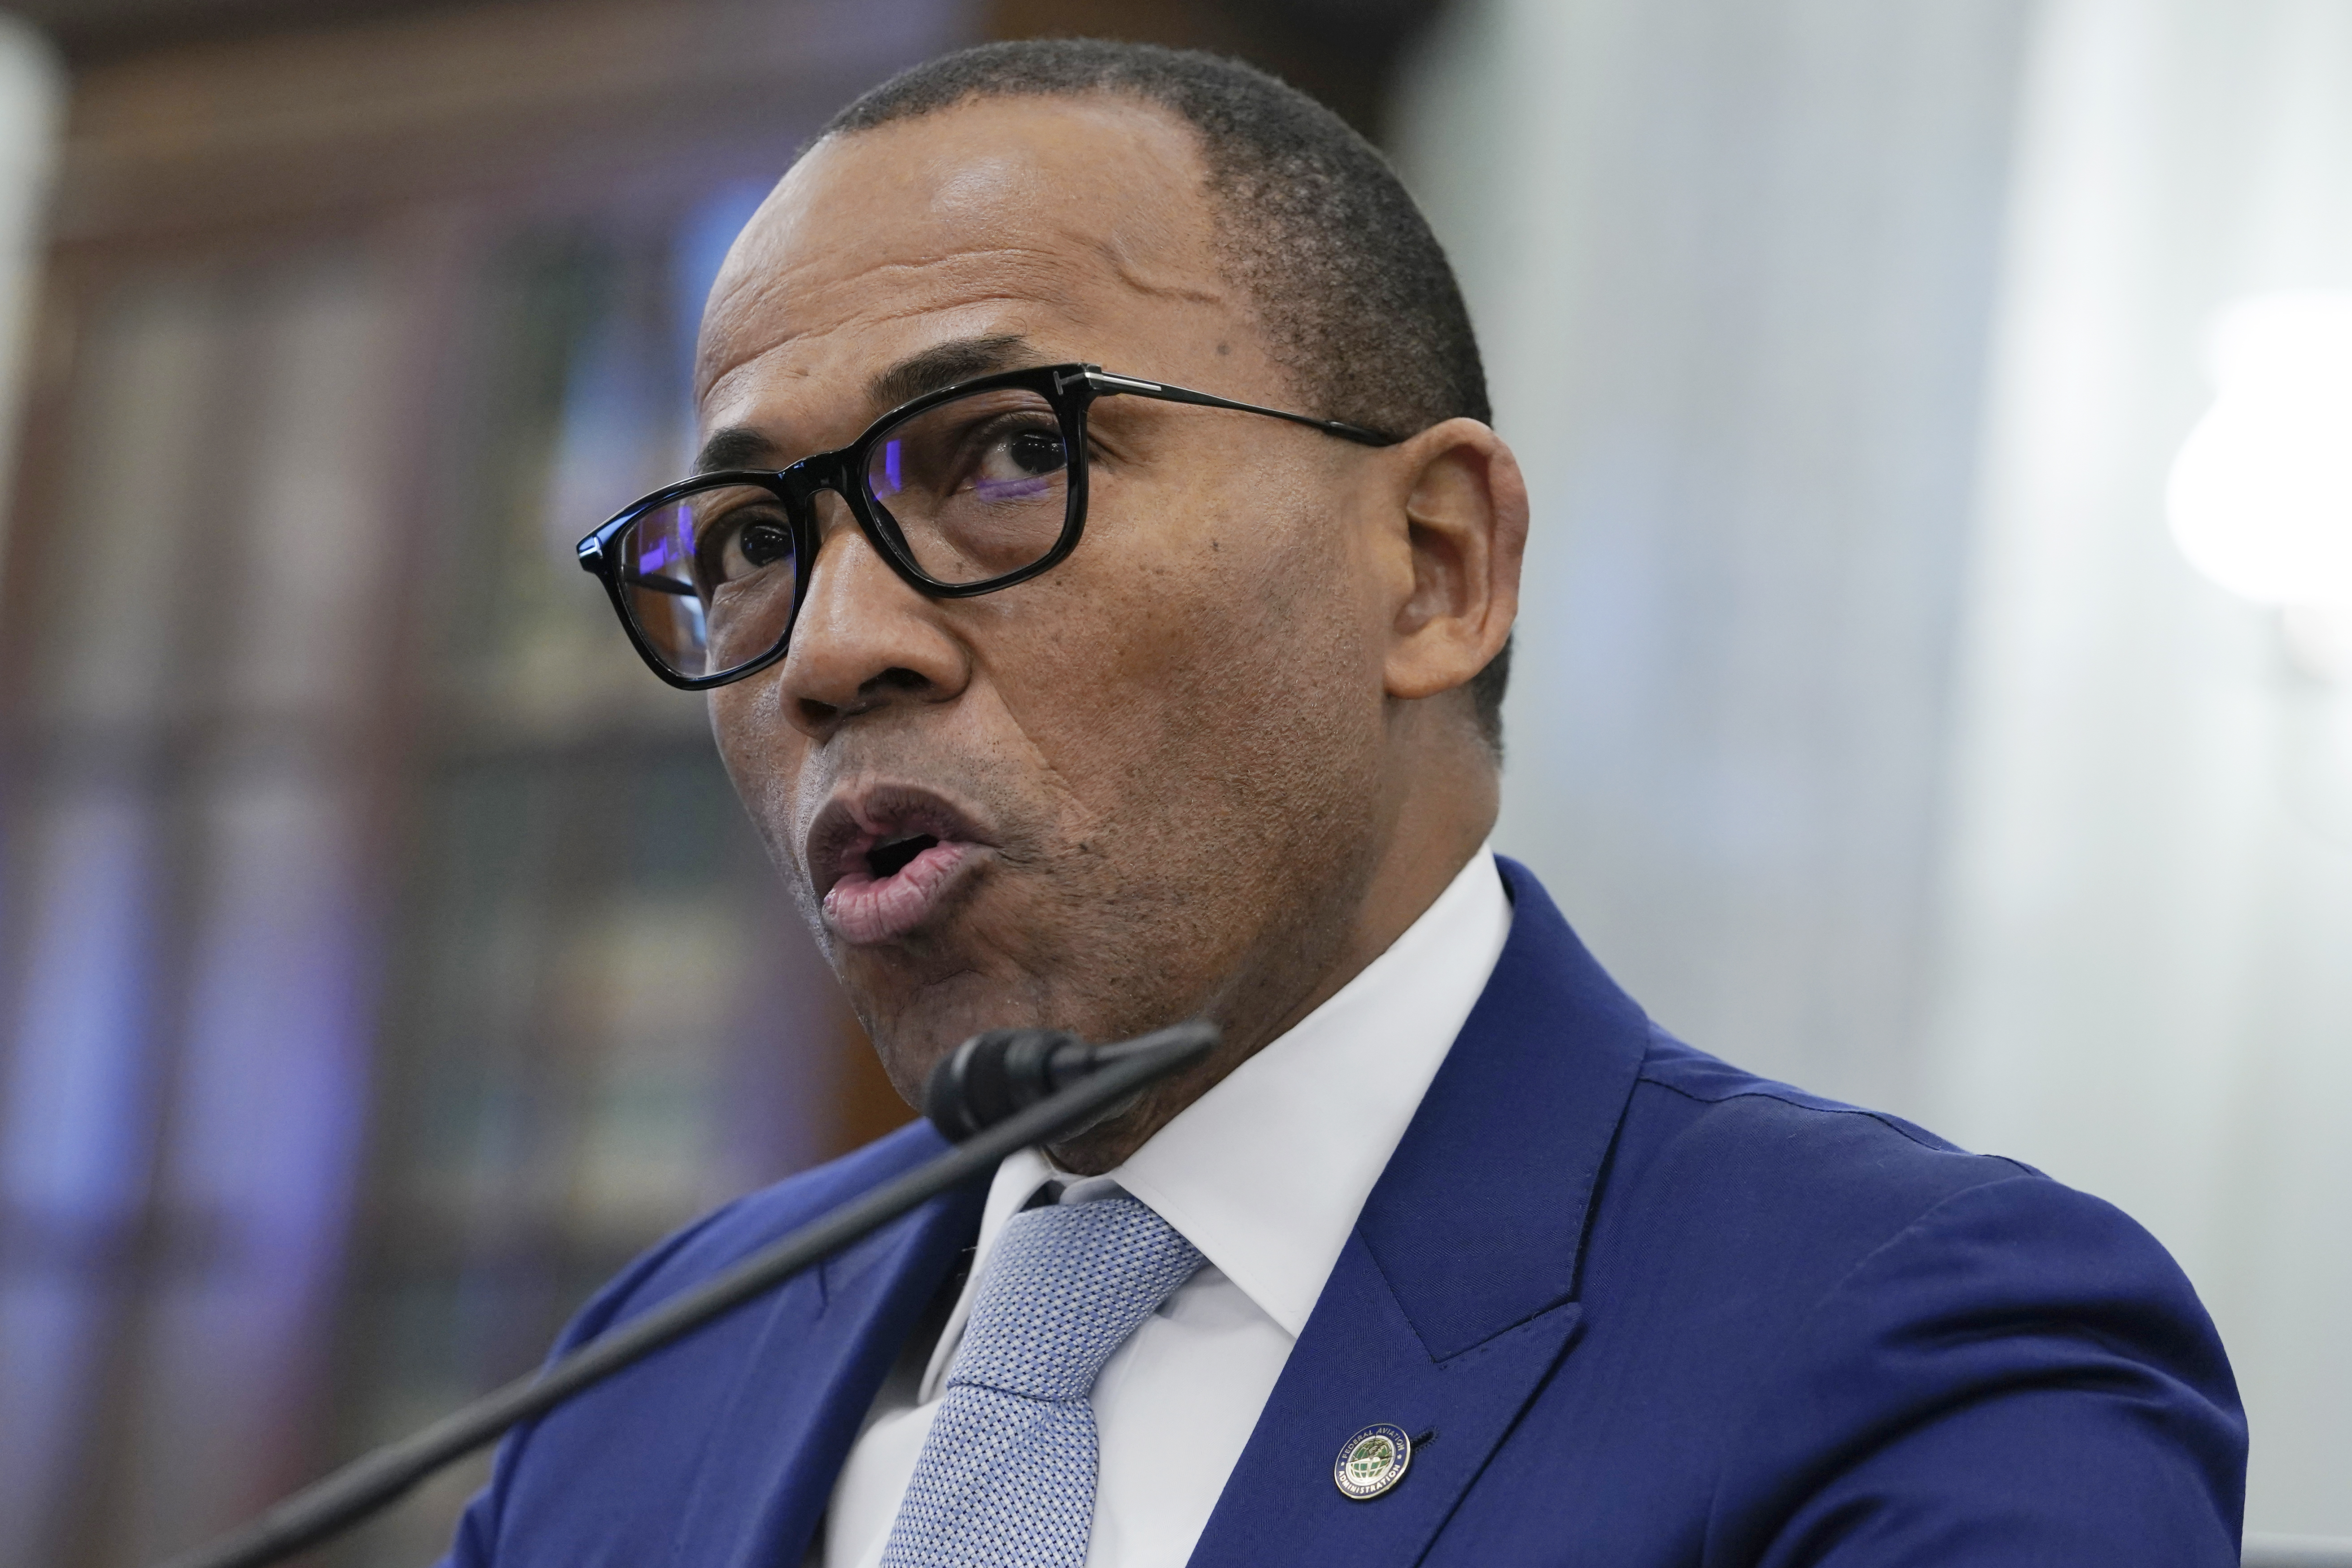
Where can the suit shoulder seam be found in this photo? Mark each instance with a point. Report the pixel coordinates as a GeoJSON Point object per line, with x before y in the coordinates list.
{"type": "Point", "coordinates": [1881, 1118]}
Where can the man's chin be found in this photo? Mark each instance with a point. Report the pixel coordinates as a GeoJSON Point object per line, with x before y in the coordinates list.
{"type": "Point", "coordinates": [911, 1034]}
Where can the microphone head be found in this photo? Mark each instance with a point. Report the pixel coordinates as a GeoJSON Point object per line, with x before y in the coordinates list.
{"type": "Point", "coordinates": [996, 1074]}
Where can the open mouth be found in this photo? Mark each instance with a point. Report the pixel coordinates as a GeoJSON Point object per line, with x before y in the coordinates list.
{"type": "Point", "coordinates": [887, 860]}
{"type": "Point", "coordinates": [884, 864]}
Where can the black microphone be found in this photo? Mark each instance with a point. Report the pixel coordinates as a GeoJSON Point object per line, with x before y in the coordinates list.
{"type": "Point", "coordinates": [999, 1091]}
{"type": "Point", "coordinates": [991, 1076]}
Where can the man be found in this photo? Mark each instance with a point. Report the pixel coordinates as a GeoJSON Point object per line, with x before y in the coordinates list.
{"type": "Point", "coordinates": [1099, 698]}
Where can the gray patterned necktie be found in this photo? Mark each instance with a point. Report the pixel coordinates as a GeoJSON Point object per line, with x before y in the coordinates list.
{"type": "Point", "coordinates": [1006, 1478]}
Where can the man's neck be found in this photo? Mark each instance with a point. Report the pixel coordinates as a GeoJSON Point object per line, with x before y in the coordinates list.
{"type": "Point", "coordinates": [1414, 868]}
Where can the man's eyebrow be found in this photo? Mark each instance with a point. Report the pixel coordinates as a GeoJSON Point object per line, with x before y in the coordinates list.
{"type": "Point", "coordinates": [942, 364]}
{"type": "Point", "coordinates": [735, 447]}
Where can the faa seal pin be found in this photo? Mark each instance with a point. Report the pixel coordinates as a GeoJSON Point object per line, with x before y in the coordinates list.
{"type": "Point", "coordinates": [1373, 1461]}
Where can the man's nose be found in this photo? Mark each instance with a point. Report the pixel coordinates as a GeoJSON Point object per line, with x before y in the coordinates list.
{"type": "Point", "coordinates": [865, 640]}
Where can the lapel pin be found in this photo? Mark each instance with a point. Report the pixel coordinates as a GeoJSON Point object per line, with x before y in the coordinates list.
{"type": "Point", "coordinates": [1373, 1461]}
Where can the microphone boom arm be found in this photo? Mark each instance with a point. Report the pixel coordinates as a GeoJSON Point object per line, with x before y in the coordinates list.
{"type": "Point", "coordinates": [375, 1480]}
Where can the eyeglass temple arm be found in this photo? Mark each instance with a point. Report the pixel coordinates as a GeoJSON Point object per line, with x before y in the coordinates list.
{"type": "Point", "coordinates": [1108, 385]}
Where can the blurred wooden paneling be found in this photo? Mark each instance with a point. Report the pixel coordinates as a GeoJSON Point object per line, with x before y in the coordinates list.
{"type": "Point", "coordinates": [524, 96]}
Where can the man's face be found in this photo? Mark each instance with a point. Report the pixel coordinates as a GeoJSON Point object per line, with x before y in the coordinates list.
{"type": "Point", "coordinates": [1153, 774]}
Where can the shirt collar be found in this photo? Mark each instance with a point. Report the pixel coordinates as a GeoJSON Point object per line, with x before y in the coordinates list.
{"type": "Point", "coordinates": [1266, 1172]}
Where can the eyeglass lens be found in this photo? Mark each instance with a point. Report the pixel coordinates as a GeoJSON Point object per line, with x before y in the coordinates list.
{"type": "Point", "coordinates": [977, 487]}
{"type": "Point", "coordinates": [967, 490]}
{"type": "Point", "coordinates": [709, 580]}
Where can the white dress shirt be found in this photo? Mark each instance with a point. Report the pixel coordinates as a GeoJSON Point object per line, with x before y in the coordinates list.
{"type": "Point", "coordinates": [1265, 1174]}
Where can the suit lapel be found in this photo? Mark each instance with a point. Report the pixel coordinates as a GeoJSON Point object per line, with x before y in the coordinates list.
{"type": "Point", "coordinates": [828, 1341]}
{"type": "Point", "coordinates": [1497, 1168]}
{"type": "Point", "coordinates": [1360, 1362]}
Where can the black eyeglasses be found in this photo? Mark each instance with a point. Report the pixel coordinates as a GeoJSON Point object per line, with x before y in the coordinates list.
{"type": "Point", "coordinates": [963, 491]}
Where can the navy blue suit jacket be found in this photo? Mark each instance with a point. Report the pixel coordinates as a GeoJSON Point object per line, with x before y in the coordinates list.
{"type": "Point", "coordinates": [1656, 1310]}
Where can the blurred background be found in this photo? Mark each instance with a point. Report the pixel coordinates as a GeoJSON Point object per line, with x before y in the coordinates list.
{"type": "Point", "coordinates": [1935, 685]}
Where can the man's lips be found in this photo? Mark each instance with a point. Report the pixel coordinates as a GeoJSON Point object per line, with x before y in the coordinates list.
{"type": "Point", "coordinates": [863, 908]}
{"type": "Point", "coordinates": [883, 859]}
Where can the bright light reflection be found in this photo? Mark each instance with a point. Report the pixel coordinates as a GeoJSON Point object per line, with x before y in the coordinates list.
{"type": "Point", "coordinates": [2260, 495]}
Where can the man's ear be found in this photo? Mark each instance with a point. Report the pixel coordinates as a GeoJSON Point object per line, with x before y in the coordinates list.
{"type": "Point", "coordinates": [1465, 512]}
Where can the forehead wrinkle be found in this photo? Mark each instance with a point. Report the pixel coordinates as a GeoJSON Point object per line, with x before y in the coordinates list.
{"type": "Point", "coordinates": [1131, 273]}
{"type": "Point", "coordinates": [1040, 277]}
{"type": "Point", "coordinates": [758, 363]}
{"type": "Point", "coordinates": [1149, 247]}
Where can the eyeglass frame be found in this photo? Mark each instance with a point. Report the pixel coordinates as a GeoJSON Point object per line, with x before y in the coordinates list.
{"type": "Point", "coordinates": [1071, 390]}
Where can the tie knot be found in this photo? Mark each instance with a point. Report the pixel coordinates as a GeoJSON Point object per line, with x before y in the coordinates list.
{"type": "Point", "coordinates": [1064, 1289]}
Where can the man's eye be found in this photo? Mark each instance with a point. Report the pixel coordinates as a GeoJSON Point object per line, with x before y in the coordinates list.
{"type": "Point", "coordinates": [1022, 454]}
{"type": "Point", "coordinates": [1036, 451]}
{"type": "Point", "coordinates": [739, 547]}
{"type": "Point", "coordinates": [763, 545]}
